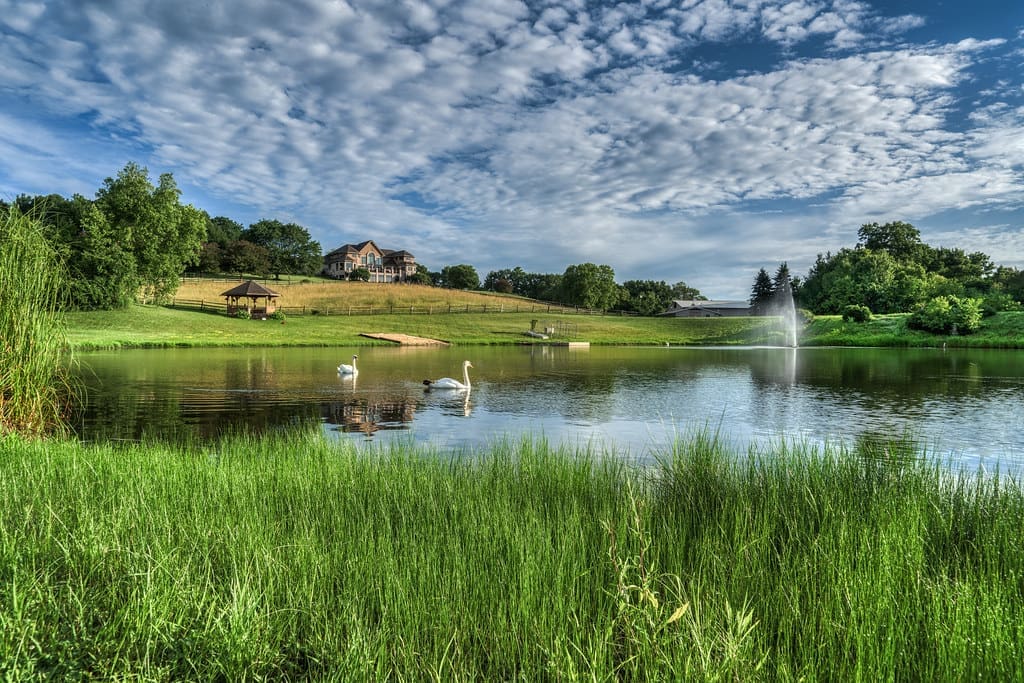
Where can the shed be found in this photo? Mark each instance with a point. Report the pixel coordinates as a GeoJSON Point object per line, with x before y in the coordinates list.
{"type": "Point", "coordinates": [254, 293]}
{"type": "Point", "coordinates": [691, 308]}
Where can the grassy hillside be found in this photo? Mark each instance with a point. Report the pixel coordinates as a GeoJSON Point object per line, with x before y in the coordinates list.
{"type": "Point", "coordinates": [340, 296]}
{"type": "Point", "coordinates": [157, 326]}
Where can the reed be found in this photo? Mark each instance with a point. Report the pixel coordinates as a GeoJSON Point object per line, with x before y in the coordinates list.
{"type": "Point", "coordinates": [33, 362]}
{"type": "Point", "coordinates": [300, 557]}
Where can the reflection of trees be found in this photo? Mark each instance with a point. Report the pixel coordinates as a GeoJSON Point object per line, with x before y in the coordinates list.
{"type": "Point", "coordinates": [368, 415]}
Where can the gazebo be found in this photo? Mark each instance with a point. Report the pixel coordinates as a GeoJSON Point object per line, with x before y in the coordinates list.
{"type": "Point", "coordinates": [254, 292]}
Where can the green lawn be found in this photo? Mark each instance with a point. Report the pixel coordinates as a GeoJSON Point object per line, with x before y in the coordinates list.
{"type": "Point", "coordinates": [157, 326]}
{"type": "Point", "coordinates": [140, 326]}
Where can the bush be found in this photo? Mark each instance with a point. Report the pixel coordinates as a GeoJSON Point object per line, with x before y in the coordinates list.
{"type": "Point", "coordinates": [947, 315]}
{"type": "Point", "coordinates": [243, 314]}
{"type": "Point", "coordinates": [276, 315]}
{"type": "Point", "coordinates": [856, 313]}
{"type": "Point", "coordinates": [995, 302]}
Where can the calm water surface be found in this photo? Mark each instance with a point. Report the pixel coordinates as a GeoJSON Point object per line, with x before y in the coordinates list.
{"type": "Point", "coordinates": [964, 405]}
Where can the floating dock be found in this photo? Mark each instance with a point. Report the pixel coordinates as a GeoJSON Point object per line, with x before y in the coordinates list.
{"type": "Point", "coordinates": [404, 339]}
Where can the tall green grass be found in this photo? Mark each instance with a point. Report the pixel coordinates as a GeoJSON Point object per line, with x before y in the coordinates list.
{"type": "Point", "coordinates": [33, 366]}
{"type": "Point", "coordinates": [298, 556]}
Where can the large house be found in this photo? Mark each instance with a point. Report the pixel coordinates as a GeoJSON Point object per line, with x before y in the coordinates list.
{"type": "Point", "coordinates": [384, 265]}
{"type": "Point", "coordinates": [707, 309]}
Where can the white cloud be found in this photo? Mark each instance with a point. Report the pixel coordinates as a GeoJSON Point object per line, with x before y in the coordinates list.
{"type": "Point", "coordinates": [459, 129]}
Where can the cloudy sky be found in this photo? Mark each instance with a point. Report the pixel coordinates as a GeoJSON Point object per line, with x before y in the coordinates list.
{"type": "Point", "coordinates": [694, 140]}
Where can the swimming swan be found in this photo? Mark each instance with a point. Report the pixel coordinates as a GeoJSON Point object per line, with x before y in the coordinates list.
{"type": "Point", "coordinates": [346, 369]}
{"type": "Point", "coordinates": [449, 383]}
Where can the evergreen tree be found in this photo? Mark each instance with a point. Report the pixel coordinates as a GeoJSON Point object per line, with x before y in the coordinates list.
{"type": "Point", "coordinates": [761, 292]}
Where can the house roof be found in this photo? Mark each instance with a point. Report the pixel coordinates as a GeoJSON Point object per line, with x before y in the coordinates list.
{"type": "Point", "coordinates": [697, 303]}
{"type": "Point", "coordinates": [251, 288]}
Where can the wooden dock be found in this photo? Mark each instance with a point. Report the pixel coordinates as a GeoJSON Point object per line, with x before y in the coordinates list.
{"type": "Point", "coordinates": [404, 339]}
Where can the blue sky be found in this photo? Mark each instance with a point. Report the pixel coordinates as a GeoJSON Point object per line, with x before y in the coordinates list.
{"type": "Point", "coordinates": [693, 140]}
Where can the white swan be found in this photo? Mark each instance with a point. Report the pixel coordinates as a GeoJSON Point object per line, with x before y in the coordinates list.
{"type": "Point", "coordinates": [449, 383]}
{"type": "Point", "coordinates": [346, 369]}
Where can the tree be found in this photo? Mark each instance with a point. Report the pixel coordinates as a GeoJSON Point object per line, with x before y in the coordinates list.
{"type": "Point", "coordinates": [900, 240]}
{"type": "Point", "coordinates": [101, 265]}
{"type": "Point", "coordinates": [646, 297]}
{"type": "Point", "coordinates": [243, 256]}
{"type": "Point", "coordinates": [761, 292]}
{"type": "Point", "coordinates": [590, 286]}
{"type": "Point", "coordinates": [223, 231]}
{"type": "Point", "coordinates": [163, 235]}
{"type": "Point", "coordinates": [359, 275]}
{"type": "Point", "coordinates": [684, 292]}
{"type": "Point", "coordinates": [93, 253]}
{"type": "Point", "coordinates": [211, 258]}
{"type": "Point", "coordinates": [290, 248]}
{"type": "Point", "coordinates": [462, 276]}
{"type": "Point", "coordinates": [421, 276]}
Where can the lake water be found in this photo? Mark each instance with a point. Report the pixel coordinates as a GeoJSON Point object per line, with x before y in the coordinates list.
{"type": "Point", "coordinates": [967, 405]}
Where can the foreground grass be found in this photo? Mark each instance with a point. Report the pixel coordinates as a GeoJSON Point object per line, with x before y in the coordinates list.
{"type": "Point", "coordinates": [297, 557]}
{"type": "Point", "coordinates": [33, 367]}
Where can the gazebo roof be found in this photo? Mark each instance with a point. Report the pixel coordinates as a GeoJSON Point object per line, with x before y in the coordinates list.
{"type": "Point", "coordinates": [251, 288]}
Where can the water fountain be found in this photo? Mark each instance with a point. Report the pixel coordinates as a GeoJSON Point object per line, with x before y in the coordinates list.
{"type": "Point", "coordinates": [784, 306]}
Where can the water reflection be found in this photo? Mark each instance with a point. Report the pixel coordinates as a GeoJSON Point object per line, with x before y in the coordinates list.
{"type": "Point", "coordinates": [967, 402]}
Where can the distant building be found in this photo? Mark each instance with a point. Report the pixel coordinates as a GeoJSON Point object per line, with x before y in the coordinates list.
{"type": "Point", "coordinates": [384, 265]}
{"type": "Point", "coordinates": [695, 308]}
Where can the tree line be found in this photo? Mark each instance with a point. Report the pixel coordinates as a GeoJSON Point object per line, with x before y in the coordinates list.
{"type": "Point", "coordinates": [135, 238]}
{"type": "Point", "coordinates": [891, 270]}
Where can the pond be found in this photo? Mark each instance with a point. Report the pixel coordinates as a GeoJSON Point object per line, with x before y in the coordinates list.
{"type": "Point", "coordinates": [966, 405]}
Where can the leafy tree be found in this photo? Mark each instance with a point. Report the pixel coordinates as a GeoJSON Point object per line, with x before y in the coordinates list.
{"type": "Point", "coordinates": [211, 258]}
{"type": "Point", "coordinates": [462, 276]}
{"type": "Point", "coordinates": [223, 231]}
{"type": "Point", "coordinates": [684, 292]}
{"type": "Point", "coordinates": [102, 266]}
{"type": "Point", "coordinates": [243, 256]}
{"type": "Point", "coordinates": [162, 234]}
{"type": "Point", "coordinates": [421, 276]}
{"type": "Point", "coordinates": [508, 280]}
{"type": "Point", "coordinates": [290, 248]}
{"type": "Point", "coordinates": [761, 292]}
{"type": "Point", "coordinates": [900, 240]}
{"type": "Point", "coordinates": [542, 286]}
{"type": "Point", "coordinates": [646, 297]}
{"type": "Point", "coordinates": [590, 286]}
{"type": "Point", "coordinates": [1010, 281]}
{"type": "Point", "coordinates": [99, 264]}
{"type": "Point", "coordinates": [359, 274]}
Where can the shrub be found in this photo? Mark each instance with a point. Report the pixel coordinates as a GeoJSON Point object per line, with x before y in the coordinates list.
{"type": "Point", "coordinates": [276, 315]}
{"type": "Point", "coordinates": [856, 313]}
{"type": "Point", "coordinates": [243, 314]}
{"type": "Point", "coordinates": [995, 302]}
{"type": "Point", "coordinates": [947, 315]}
